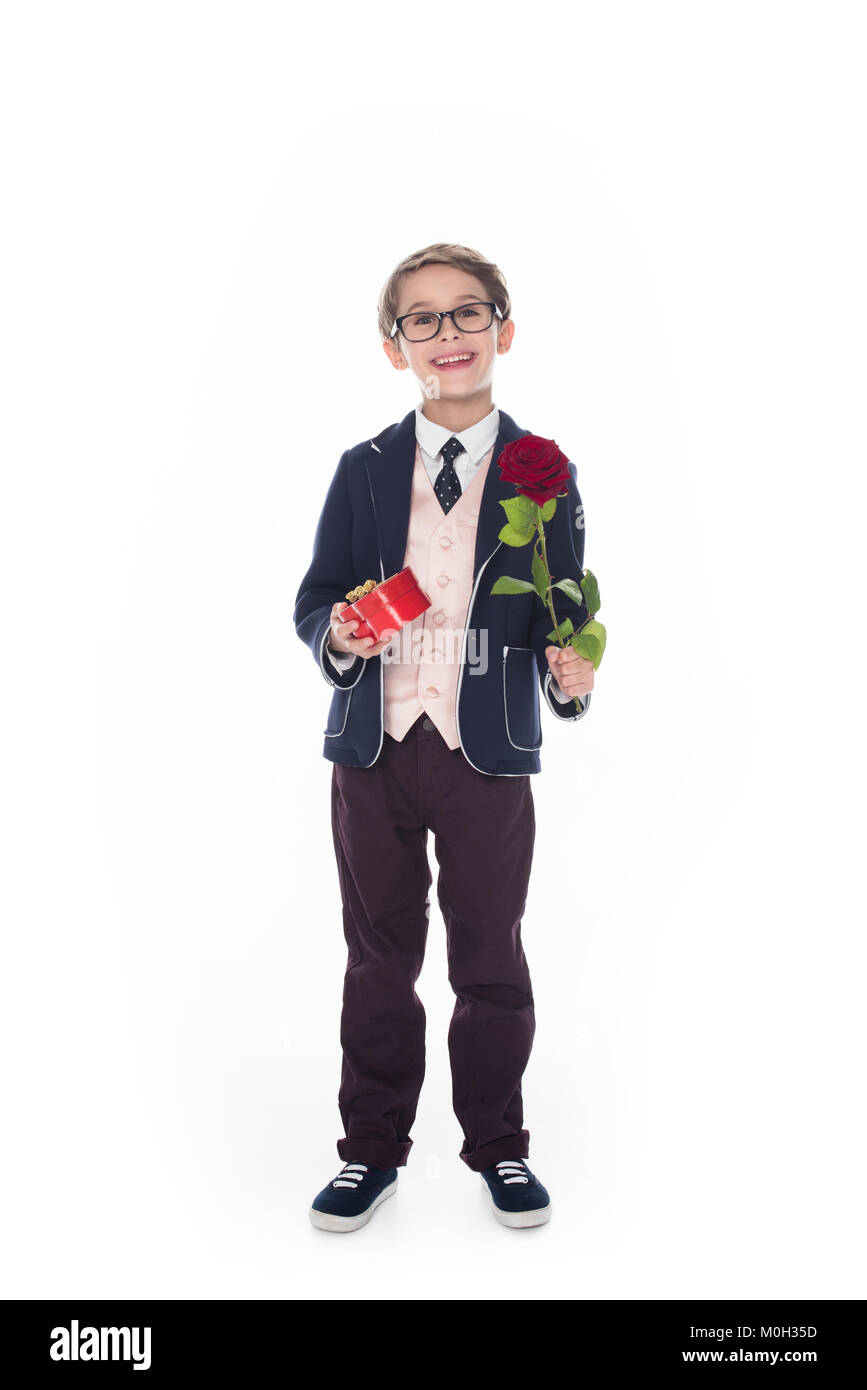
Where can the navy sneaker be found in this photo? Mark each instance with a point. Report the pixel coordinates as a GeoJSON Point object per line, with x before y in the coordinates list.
{"type": "Point", "coordinates": [352, 1197]}
{"type": "Point", "coordinates": [517, 1196]}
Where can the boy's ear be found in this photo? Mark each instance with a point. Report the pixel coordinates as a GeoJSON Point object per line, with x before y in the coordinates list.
{"type": "Point", "coordinates": [394, 353]}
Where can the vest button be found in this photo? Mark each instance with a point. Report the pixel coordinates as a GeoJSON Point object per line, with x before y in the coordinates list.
{"type": "Point", "coordinates": [427, 723]}
{"type": "Point", "coordinates": [442, 580]}
{"type": "Point", "coordinates": [445, 542]}
{"type": "Point", "coordinates": [432, 691]}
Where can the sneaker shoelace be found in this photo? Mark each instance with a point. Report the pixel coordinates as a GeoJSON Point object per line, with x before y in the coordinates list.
{"type": "Point", "coordinates": [512, 1170]}
{"type": "Point", "coordinates": [351, 1175]}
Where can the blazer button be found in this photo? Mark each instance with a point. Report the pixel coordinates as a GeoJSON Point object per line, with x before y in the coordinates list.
{"type": "Point", "coordinates": [442, 580]}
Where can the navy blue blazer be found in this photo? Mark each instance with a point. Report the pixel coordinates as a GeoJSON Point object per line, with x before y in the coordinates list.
{"type": "Point", "coordinates": [363, 528]}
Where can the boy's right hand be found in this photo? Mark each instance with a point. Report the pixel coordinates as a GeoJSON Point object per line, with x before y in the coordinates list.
{"type": "Point", "coordinates": [340, 638]}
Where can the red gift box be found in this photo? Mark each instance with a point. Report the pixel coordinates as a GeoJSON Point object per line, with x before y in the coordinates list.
{"type": "Point", "coordinates": [388, 607]}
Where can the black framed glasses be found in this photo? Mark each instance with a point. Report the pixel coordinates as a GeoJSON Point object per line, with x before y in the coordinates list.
{"type": "Point", "coordinates": [426, 323]}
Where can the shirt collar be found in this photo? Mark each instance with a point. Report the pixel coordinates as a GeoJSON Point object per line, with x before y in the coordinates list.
{"type": "Point", "coordinates": [477, 440]}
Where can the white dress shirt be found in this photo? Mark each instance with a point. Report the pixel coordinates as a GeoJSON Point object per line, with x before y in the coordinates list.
{"type": "Point", "coordinates": [431, 437]}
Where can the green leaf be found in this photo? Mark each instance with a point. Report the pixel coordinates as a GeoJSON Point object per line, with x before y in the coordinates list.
{"type": "Point", "coordinates": [570, 587]}
{"type": "Point", "coordinates": [511, 536]}
{"type": "Point", "coordinates": [548, 508]}
{"type": "Point", "coordinates": [590, 642]}
{"type": "Point", "coordinates": [507, 585]}
{"type": "Point", "coordinates": [565, 629]}
{"type": "Point", "coordinates": [590, 589]}
{"type": "Point", "coordinates": [540, 575]}
{"type": "Point", "coordinates": [520, 511]}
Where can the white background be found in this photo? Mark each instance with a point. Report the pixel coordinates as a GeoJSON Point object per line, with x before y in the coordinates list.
{"type": "Point", "coordinates": [202, 202]}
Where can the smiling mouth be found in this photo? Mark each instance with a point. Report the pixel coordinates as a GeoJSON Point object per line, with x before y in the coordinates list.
{"type": "Point", "coordinates": [453, 359]}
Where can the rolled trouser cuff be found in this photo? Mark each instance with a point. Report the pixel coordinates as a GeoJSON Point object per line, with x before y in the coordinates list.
{"type": "Point", "coordinates": [512, 1146]}
{"type": "Point", "coordinates": [379, 1153]}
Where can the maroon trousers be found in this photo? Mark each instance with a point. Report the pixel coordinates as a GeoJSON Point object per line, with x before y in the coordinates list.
{"type": "Point", "coordinates": [484, 829]}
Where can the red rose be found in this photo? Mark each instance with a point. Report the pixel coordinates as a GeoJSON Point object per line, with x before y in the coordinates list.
{"type": "Point", "coordinates": [536, 466]}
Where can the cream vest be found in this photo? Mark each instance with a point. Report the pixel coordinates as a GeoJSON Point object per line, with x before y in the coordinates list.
{"type": "Point", "coordinates": [421, 668]}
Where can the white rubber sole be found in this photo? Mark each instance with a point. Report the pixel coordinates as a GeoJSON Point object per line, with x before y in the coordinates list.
{"type": "Point", "coordinates": [518, 1218]}
{"type": "Point", "coordinates": [325, 1221]}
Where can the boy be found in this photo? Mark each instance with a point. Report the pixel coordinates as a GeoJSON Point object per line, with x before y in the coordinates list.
{"type": "Point", "coordinates": [440, 735]}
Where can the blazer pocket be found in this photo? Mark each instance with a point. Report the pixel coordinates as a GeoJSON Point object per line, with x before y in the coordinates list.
{"type": "Point", "coordinates": [339, 711]}
{"type": "Point", "coordinates": [521, 698]}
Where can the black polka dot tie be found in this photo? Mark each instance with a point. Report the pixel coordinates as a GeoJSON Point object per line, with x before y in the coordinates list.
{"type": "Point", "coordinates": [447, 487]}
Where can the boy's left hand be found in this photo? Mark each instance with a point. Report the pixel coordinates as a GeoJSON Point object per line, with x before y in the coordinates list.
{"type": "Point", "coordinates": [573, 673]}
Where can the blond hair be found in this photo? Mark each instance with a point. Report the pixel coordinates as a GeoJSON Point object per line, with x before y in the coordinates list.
{"type": "Point", "coordinates": [442, 253]}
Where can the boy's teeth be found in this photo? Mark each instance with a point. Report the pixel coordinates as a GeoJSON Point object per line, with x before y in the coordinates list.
{"type": "Point", "coordinates": [462, 357]}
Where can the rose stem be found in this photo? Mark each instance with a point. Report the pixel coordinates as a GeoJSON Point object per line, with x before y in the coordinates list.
{"type": "Point", "coordinates": [549, 599]}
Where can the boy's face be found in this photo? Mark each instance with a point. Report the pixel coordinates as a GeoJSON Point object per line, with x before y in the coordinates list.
{"type": "Point", "coordinates": [440, 287]}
